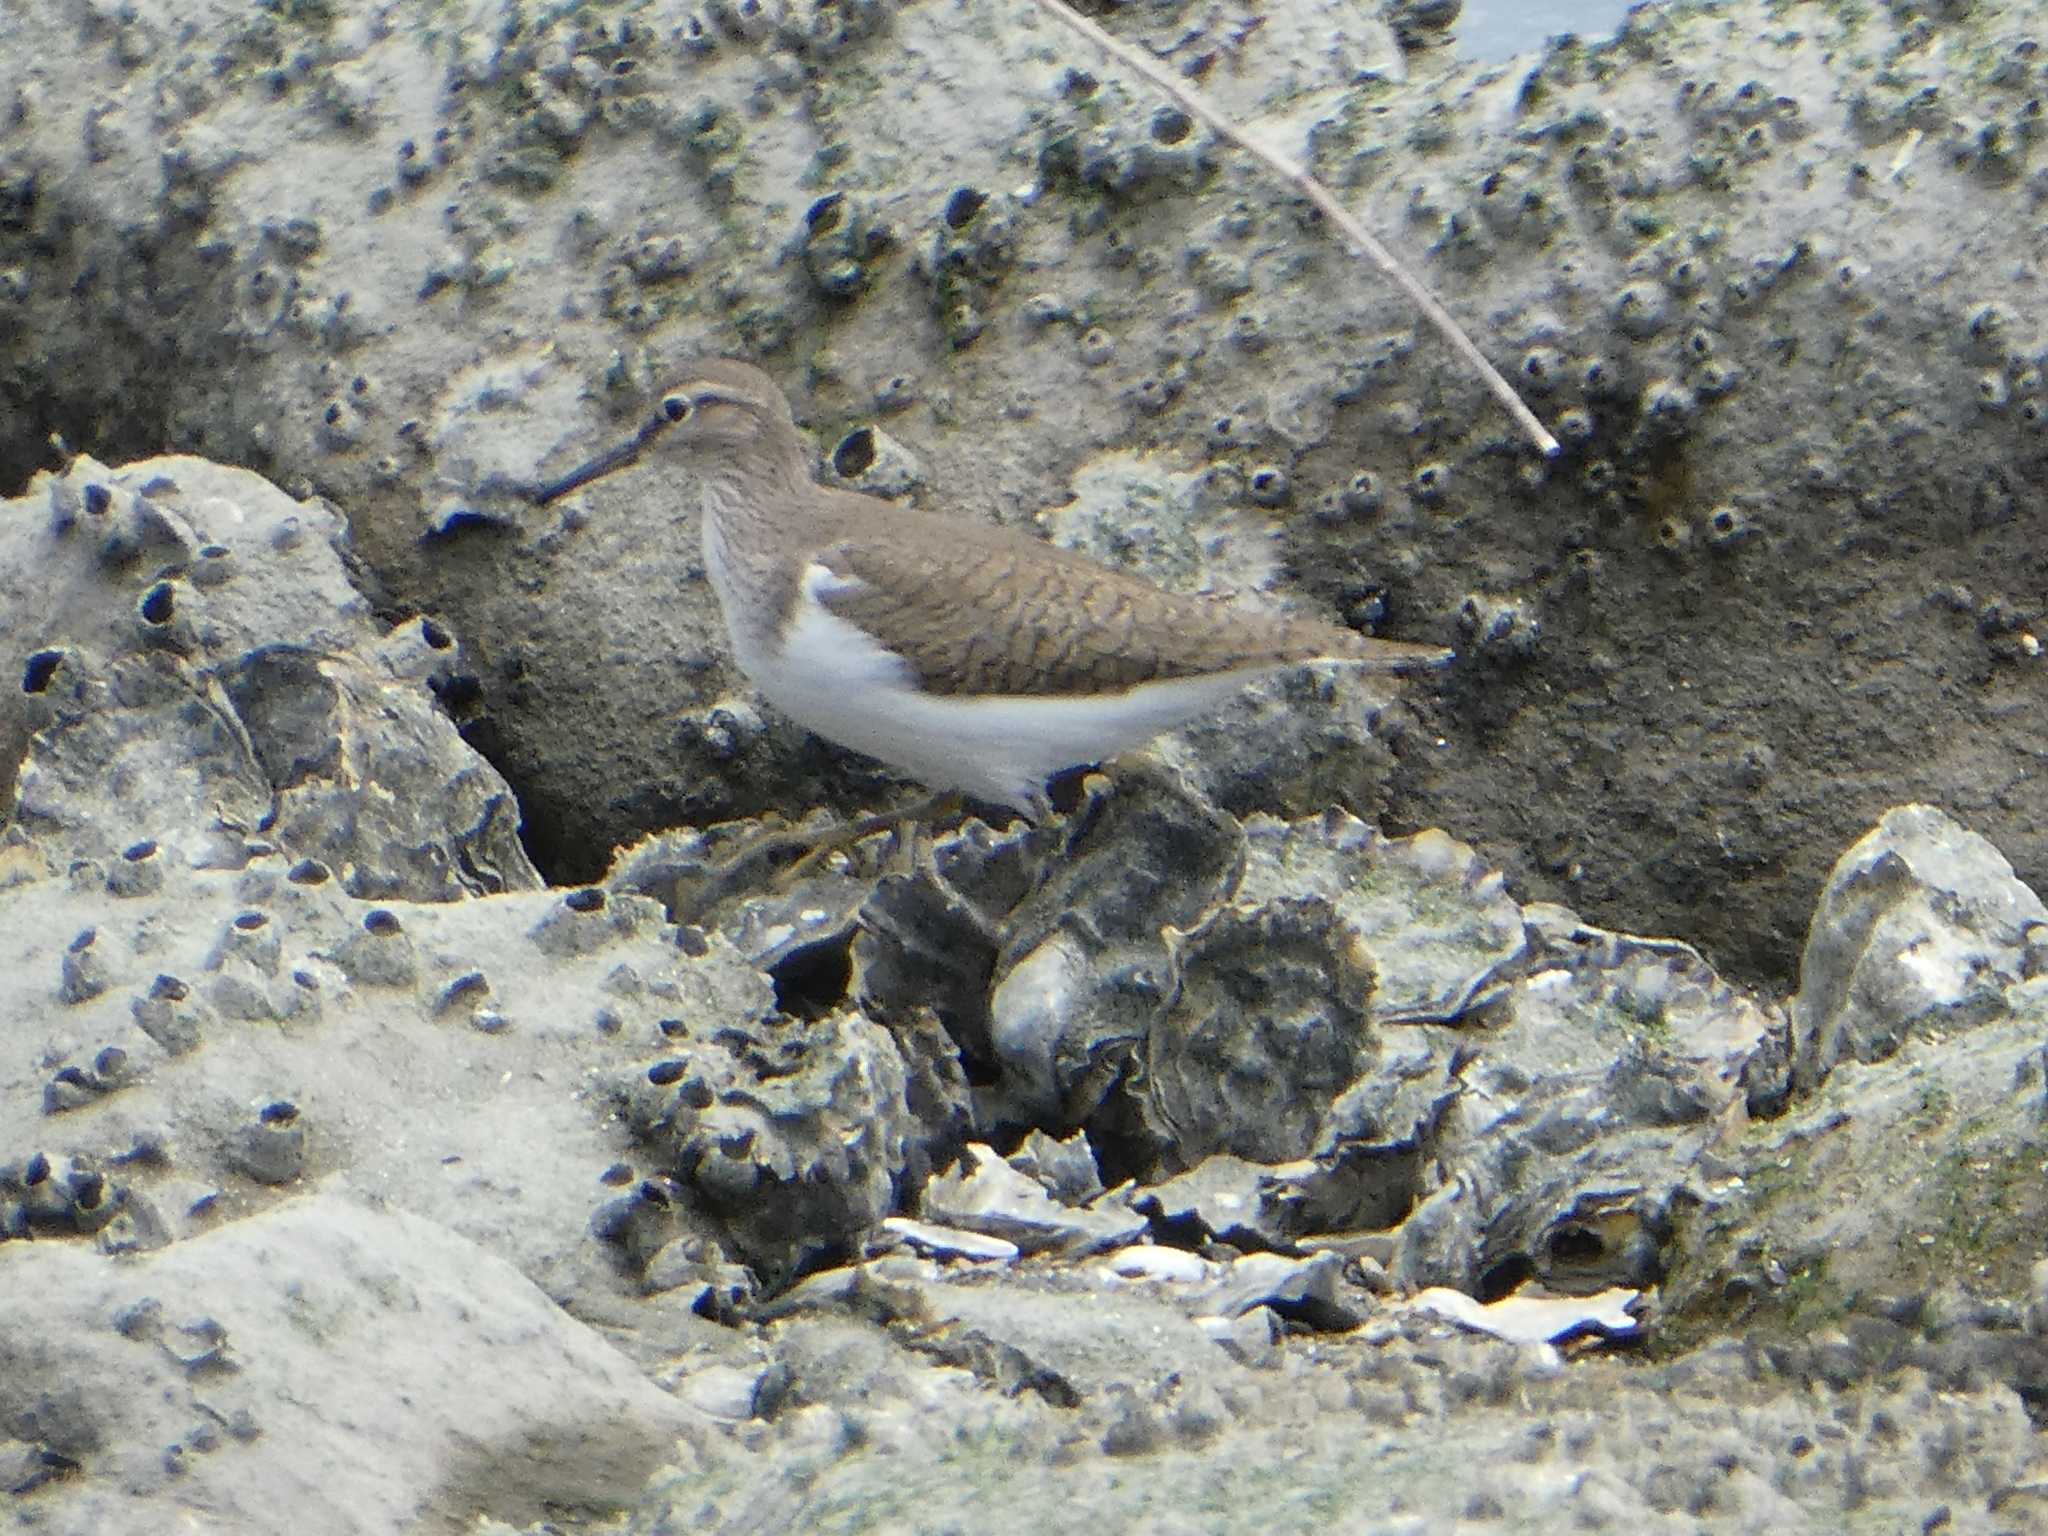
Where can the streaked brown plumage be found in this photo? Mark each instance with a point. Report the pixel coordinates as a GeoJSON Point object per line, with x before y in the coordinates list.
{"type": "Point", "coordinates": [922, 611]}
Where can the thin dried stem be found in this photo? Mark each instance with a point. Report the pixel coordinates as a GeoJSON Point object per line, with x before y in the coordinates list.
{"type": "Point", "coordinates": [1320, 196]}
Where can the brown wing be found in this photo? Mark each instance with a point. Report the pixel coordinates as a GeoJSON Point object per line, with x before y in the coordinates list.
{"type": "Point", "coordinates": [987, 610]}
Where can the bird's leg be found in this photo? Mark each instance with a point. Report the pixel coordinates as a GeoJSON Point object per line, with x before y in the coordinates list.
{"type": "Point", "coordinates": [916, 850]}
{"type": "Point", "coordinates": [902, 821]}
{"type": "Point", "coordinates": [752, 865]}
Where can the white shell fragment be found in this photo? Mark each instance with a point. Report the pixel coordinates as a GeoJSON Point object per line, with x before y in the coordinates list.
{"type": "Point", "coordinates": [1536, 1319]}
{"type": "Point", "coordinates": [948, 1242]}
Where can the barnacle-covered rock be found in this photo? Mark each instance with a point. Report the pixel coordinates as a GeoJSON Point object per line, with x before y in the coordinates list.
{"type": "Point", "coordinates": [792, 1139]}
{"type": "Point", "coordinates": [240, 718]}
{"type": "Point", "coordinates": [165, 1383]}
{"type": "Point", "coordinates": [1436, 923]}
{"type": "Point", "coordinates": [1120, 144]}
{"type": "Point", "coordinates": [972, 249]}
{"type": "Point", "coordinates": [1266, 1023]}
{"type": "Point", "coordinates": [1181, 529]}
{"type": "Point", "coordinates": [536, 196]}
{"type": "Point", "coordinates": [843, 239]}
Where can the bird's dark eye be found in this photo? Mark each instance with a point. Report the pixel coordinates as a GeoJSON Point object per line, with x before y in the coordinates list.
{"type": "Point", "coordinates": [675, 407]}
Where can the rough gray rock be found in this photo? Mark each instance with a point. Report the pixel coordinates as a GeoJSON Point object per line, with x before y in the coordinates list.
{"type": "Point", "coordinates": [165, 1390]}
{"type": "Point", "coordinates": [1078, 1399]}
{"type": "Point", "coordinates": [1880, 1220]}
{"type": "Point", "coordinates": [664, 1125]}
{"type": "Point", "coordinates": [177, 604]}
{"type": "Point", "coordinates": [263, 922]}
{"type": "Point", "coordinates": [1757, 264]}
{"type": "Point", "coordinates": [1922, 928]}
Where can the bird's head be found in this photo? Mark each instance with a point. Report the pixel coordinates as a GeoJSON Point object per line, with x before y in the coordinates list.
{"type": "Point", "coordinates": [720, 409]}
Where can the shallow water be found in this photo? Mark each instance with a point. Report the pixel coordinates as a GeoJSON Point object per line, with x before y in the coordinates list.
{"type": "Point", "coordinates": [1494, 29]}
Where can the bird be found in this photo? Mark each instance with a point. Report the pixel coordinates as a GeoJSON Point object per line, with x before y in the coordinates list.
{"type": "Point", "coordinates": [974, 658]}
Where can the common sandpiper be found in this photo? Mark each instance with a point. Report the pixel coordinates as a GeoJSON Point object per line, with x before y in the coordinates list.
{"type": "Point", "coordinates": [971, 657]}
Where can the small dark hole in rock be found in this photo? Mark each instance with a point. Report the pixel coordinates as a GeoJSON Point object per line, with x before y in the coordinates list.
{"type": "Point", "coordinates": [38, 1169]}
{"type": "Point", "coordinates": [249, 922]}
{"type": "Point", "coordinates": [1170, 125]}
{"type": "Point", "coordinates": [589, 899]}
{"type": "Point", "coordinates": [97, 499]}
{"type": "Point", "coordinates": [670, 1028]}
{"type": "Point", "coordinates": [458, 693]}
{"type": "Point", "coordinates": [307, 872]}
{"type": "Point", "coordinates": [84, 941]}
{"type": "Point", "coordinates": [214, 552]}
{"type": "Point", "coordinates": [812, 981]}
{"type": "Point", "coordinates": [855, 455]}
{"type": "Point", "coordinates": [823, 216]}
{"type": "Point", "coordinates": [963, 205]}
{"type": "Point", "coordinates": [158, 604]}
{"type": "Point", "coordinates": [383, 924]}
{"type": "Point", "coordinates": [1063, 789]}
{"type": "Point", "coordinates": [436, 637]}
{"type": "Point", "coordinates": [278, 1112]}
{"type": "Point", "coordinates": [42, 666]}
{"type": "Point", "coordinates": [1121, 1151]}
{"type": "Point", "coordinates": [618, 1175]}
{"type": "Point", "coordinates": [1575, 1245]}
{"type": "Point", "coordinates": [662, 1073]}
{"type": "Point", "coordinates": [169, 989]}
{"type": "Point", "coordinates": [1504, 1278]}
{"type": "Point", "coordinates": [137, 852]}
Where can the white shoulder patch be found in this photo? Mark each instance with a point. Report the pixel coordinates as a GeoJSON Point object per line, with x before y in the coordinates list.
{"type": "Point", "coordinates": [822, 582]}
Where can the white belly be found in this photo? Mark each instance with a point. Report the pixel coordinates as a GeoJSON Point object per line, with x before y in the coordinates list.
{"type": "Point", "coordinates": [833, 678]}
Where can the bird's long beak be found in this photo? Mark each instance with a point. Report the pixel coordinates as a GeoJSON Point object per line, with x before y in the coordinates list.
{"type": "Point", "coordinates": [617, 457]}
